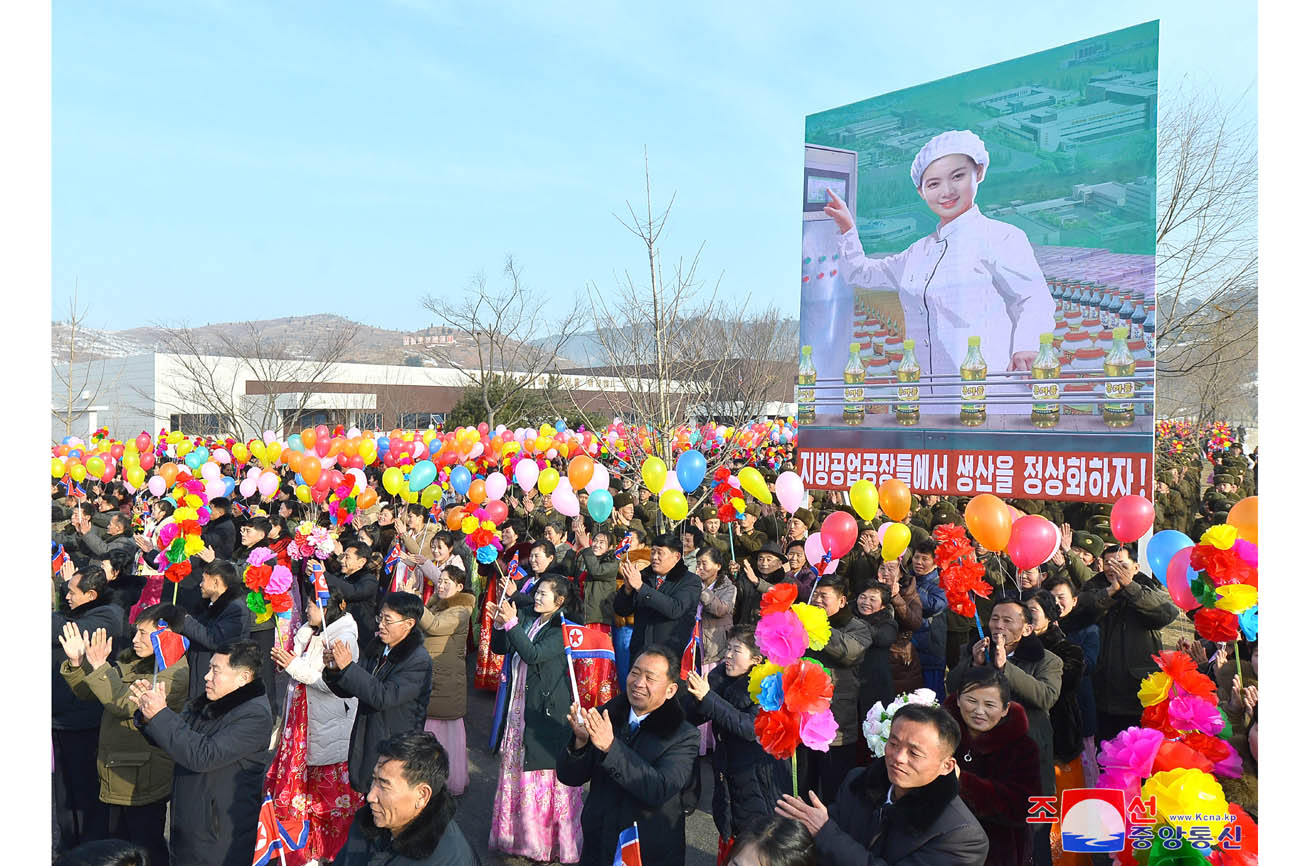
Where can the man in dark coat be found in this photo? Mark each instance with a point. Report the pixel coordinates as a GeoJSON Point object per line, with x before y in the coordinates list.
{"type": "Point", "coordinates": [221, 618]}
{"type": "Point", "coordinates": [665, 609]}
{"type": "Point", "coordinates": [220, 533]}
{"type": "Point", "coordinates": [824, 771]}
{"type": "Point", "coordinates": [82, 817]}
{"type": "Point", "coordinates": [359, 587]}
{"type": "Point", "coordinates": [393, 681]}
{"type": "Point", "coordinates": [875, 674]}
{"type": "Point", "coordinates": [636, 751]}
{"type": "Point", "coordinates": [902, 811]}
{"type": "Point", "coordinates": [100, 543]}
{"type": "Point", "coordinates": [1130, 609]}
{"type": "Point", "coordinates": [408, 819]}
{"type": "Point", "coordinates": [219, 746]}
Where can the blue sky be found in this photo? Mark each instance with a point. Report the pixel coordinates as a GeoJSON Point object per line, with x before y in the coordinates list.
{"type": "Point", "coordinates": [216, 161]}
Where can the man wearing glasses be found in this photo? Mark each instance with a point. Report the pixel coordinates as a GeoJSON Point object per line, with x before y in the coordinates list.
{"type": "Point", "coordinates": [391, 681]}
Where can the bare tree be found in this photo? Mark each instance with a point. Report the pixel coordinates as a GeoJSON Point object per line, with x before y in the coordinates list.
{"type": "Point", "coordinates": [82, 380]}
{"type": "Point", "coordinates": [280, 383]}
{"type": "Point", "coordinates": [515, 343]}
{"type": "Point", "coordinates": [1207, 253]}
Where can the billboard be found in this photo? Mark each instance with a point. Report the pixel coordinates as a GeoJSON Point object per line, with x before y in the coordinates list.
{"type": "Point", "coordinates": [978, 279]}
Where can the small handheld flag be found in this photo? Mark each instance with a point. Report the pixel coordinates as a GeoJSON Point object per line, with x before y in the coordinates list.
{"type": "Point", "coordinates": [168, 648]}
{"type": "Point", "coordinates": [274, 835]}
{"type": "Point", "coordinates": [318, 581]}
{"type": "Point", "coordinates": [72, 489]}
{"type": "Point", "coordinates": [623, 547]}
{"type": "Point", "coordinates": [58, 558]}
{"type": "Point", "coordinates": [691, 655]}
{"type": "Point", "coordinates": [514, 571]}
{"type": "Point", "coordinates": [590, 656]}
{"type": "Point", "coordinates": [391, 559]}
{"type": "Point", "coordinates": [629, 847]}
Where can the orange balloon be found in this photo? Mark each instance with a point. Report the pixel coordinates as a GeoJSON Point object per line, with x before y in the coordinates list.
{"type": "Point", "coordinates": [292, 459]}
{"type": "Point", "coordinates": [350, 447]}
{"type": "Point", "coordinates": [477, 491]}
{"type": "Point", "coordinates": [454, 517]}
{"type": "Point", "coordinates": [367, 498]}
{"type": "Point", "coordinates": [336, 446]}
{"type": "Point", "coordinates": [308, 437]}
{"type": "Point", "coordinates": [1245, 516]}
{"type": "Point", "coordinates": [895, 499]}
{"type": "Point", "coordinates": [989, 519]}
{"type": "Point", "coordinates": [309, 468]}
{"type": "Point", "coordinates": [581, 468]}
{"type": "Point", "coordinates": [168, 472]}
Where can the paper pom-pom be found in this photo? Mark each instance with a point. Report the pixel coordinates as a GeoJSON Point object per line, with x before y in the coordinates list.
{"type": "Point", "coordinates": [757, 674]}
{"type": "Point", "coordinates": [1216, 625]}
{"type": "Point", "coordinates": [1237, 597]}
{"type": "Point", "coordinates": [167, 533]}
{"type": "Point", "coordinates": [815, 624]}
{"type": "Point", "coordinates": [1172, 755]}
{"type": "Point", "coordinates": [1188, 798]}
{"type": "Point", "coordinates": [1223, 536]}
{"type": "Point", "coordinates": [778, 598]}
{"type": "Point", "coordinates": [257, 576]}
{"type": "Point", "coordinates": [818, 730]}
{"type": "Point", "coordinates": [777, 732]}
{"type": "Point", "coordinates": [781, 637]}
{"type": "Point", "coordinates": [260, 555]}
{"type": "Point", "coordinates": [1156, 717]}
{"type": "Point", "coordinates": [1190, 713]}
{"type": "Point", "coordinates": [178, 572]}
{"type": "Point", "coordinates": [1182, 670]}
{"type": "Point", "coordinates": [1249, 623]}
{"type": "Point", "coordinates": [468, 525]}
{"type": "Point", "coordinates": [281, 580]}
{"type": "Point", "coordinates": [1127, 758]}
{"type": "Point", "coordinates": [486, 554]}
{"type": "Point", "coordinates": [256, 603]}
{"type": "Point", "coordinates": [280, 602]}
{"type": "Point", "coordinates": [808, 688]}
{"type": "Point", "coordinates": [1154, 688]}
{"type": "Point", "coordinates": [193, 544]}
{"type": "Point", "coordinates": [770, 695]}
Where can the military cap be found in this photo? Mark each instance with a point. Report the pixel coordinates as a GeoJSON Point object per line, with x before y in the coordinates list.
{"type": "Point", "coordinates": [708, 513]}
{"type": "Point", "coordinates": [622, 500]}
{"type": "Point", "coordinates": [803, 514]}
{"type": "Point", "coordinates": [1088, 542]}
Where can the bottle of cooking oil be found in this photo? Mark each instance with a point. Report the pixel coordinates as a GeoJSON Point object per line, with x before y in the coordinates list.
{"type": "Point", "coordinates": [1046, 366]}
{"type": "Point", "coordinates": [855, 396]}
{"type": "Point", "coordinates": [805, 394]}
{"type": "Point", "coordinates": [907, 411]}
{"type": "Point", "coordinates": [1119, 362]}
{"type": "Point", "coordinates": [973, 371]}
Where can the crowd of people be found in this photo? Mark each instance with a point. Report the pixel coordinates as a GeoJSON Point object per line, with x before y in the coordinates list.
{"type": "Point", "coordinates": [354, 720]}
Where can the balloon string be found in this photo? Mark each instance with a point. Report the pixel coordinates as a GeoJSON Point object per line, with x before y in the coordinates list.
{"type": "Point", "coordinates": [978, 626]}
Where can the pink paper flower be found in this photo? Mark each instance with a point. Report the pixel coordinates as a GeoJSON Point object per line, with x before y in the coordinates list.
{"type": "Point", "coordinates": [781, 637]}
{"type": "Point", "coordinates": [817, 730]}
{"type": "Point", "coordinates": [1191, 713]}
{"type": "Point", "coordinates": [1130, 753]}
{"type": "Point", "coordinates": [260, 555]}
{"type": "Point", "coordinates": [1121, 780]}
{"type": "Point", "coordinates": [167, 534]}
{"type": "Point", "coordinates": [1247, 552]}
{"type": "Point", "coordinates": [281, 580]}
{"type": "Point", "coordinates": [1230, 767]}
{"type": "Point", "coordinates": [204, 515]}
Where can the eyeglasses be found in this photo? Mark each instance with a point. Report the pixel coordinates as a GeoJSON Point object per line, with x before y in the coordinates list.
{"type": "Point", "coordinates": [392, 620]}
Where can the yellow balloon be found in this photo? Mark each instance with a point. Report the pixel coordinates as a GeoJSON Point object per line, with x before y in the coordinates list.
{"type": "Point", "coordinates": [654, 473]}
{"type": "Point", "coordinates": [57, 467]}
{"type": "Point", "coordinates": [865, 499]}
{"type": "Point", "coordinates": [95, 466]}
{"type": "Point", "coordinates": [408, 494]}
{"type": "Point", "coordinates": [427, 496]}
{"type": "Point", "coordinates": [258, 450]}
{"type": "Point", "coordinates": [547, 480]}
{"type": "Point", "coordinates": [897, 538]}
{"type": "Point", "coordinates": [175, 437]}
{"type": "Point", "coordinates": [273, 452]}
{"type": "Point", "coordinates": [752, 482]}
{"type": "Point", "coordinates": [428, 436]}
{"type": "Point", "coordinates": [136, 476]}
{"type": "Point", "coordinates": [78, 472]}
{"type": "Point", "coordinates": [543, 443]}
{"type": "Point", "coordinates": [392, 480]}
{"type": "Point", "coordinates": [184, 447]}
{"type": "Point", "coordinates": [130, 461]}
{"type": "Point", "coordinates": [673, 504]}
{"type": "Point", "coordinates": [303, 492]}
{"type": "Point", "coordinates": [240, 452]}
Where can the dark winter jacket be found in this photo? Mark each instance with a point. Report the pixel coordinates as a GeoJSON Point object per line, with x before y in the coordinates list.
{"type": "Point", "coordinates": [929, 826]}
{"type": "Point", "coordinates": [432, 839]}
{"type": "Point", "coordinates": [220, 753]}
{"type": "Point", "coordinates": [1129, 625]}
{"type": "Point", "coordinates": [875, 675]}
{"type": "Point", "coordinates": [639, 779]}
{"type": "Point", "coordinates": [931, 639]}
{"type": "Point", "coordinates": [546, 688]}
{"type": "Point", "coordinates": [749, 596]}
{"type": "Point", "coordinates": [393, 693]}
{"type": "Point", "coordinates": [100, 545]}
{"type": "Point", "coordinates": [1087, 637]}
{"type": "Point", "coordinates": [212, 625]}
{"type": "Point", "coordinates": [124, 592]}
{"type": "Point", "coordinates": [999, 773]}
{"type": "Point", "coordinates": [841, 657]}
{"type": "Point", "coordinates": [68, 713]}
{"type": "Point", "coordinates": [744, 784]}
{"type": "Point", "coordinates": [361, 592]}
{"type": "Point", "coordinates": [599, 587]}
{"type": "Point", "coordinates": [664, 614]}
{"type": "Point", "coordinates": [220, 535]}
{"type": "Point", "coordinates": [904, 659]}
{"type": "Point", "coordinates": [1066, 719]}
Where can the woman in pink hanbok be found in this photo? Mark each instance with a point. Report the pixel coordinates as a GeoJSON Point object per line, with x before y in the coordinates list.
{"type": "Point", "coordinates": [534, 815]}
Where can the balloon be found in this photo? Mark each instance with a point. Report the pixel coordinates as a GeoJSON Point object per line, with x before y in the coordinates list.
{"type": "Point", "coordinates": [895, 540]}
{"type": "Point", "coordinates": [600, 505]}
{"type": "Point", "coordinates": [147, 460]}
{"type": "Point", "coordinates": [581, 469]}
{"type": "Point", "coordinates": [302, 493]}
{"type": "Point", "coordinates": [78, 472]}
{"type": "Point", "coordinates": [865, 499]}
{"type": "Point", "coordinates": [430, 495]}
{"type": "Point", "coordinates": [1032, 542]}
{"type": "Point", "coordinates": [547, 480]}
{"type": "Point", "coordinates": [495, 486]}
{"type": "Point", "coordinates": [654, 472]}
{"type": "Point", "coordinates": [789, 491]}
{"type": "Point", "coordinates": [210, 471]}
{"type": "Point", "coordinates": [496, 510]}
{"type": "Point", "coordinates": [267, 484]}
{"type": "Point", "coordinates": [526, 474]}
{"type": "Point", "coordinates": [989, 521]}
{"type": "Point", "coordinates": [309, 468]}
{"type": "Point", "coordinates": [565, 501]}
{"type": "Point", "coordinates": [308, 438]}
{"type": "Point", "coordinates": [1245, 516]}
{"type": "Point", "coordinates": [157, 486]}
{"type": "Point", "coordinates": [815, 552]}
{"type": "Point", "coordinates": [248, 487]}
{"type": "Point", "coordinates": [454, 516]}
{"type": "Point", "coordinates": [95, 466]}
{"type": "Point", "coordinates": [142, 442]}
{"type": "Point", "coordinates": [673, 503]}
{"type": "Point", "coordinates": [839, 532]}
{"type": "Point", "coordinates": [1130, 518]}
{"type": "Point", "coordinates": [57, 468]}
{"type": "Point", "coordinates": [478, 491]}
{"type": "Point", "coordinates": [135, 477]}
{"type": "Point", "coordinates": [367, 498]}
{"type": "Point", "coordinates": [671, 482]}
{"type": "Point", "coordinates": [214, 489]}
{"type": "Point", "coordinates": [895, 499]}
{"type": "Point", "coordinates": [599, 481]}
{"type": "Point", "coordinates": [168, 471]}
{"type": "Point", "coordinates": [392, 480]}
{"type": "Point", "coordinates": [221, 455]}
{"type": "Point", "coordinates": [690, 468]}
{"type": "Point", "coordinates": [1161, 549]}
{"type": "Point", "coordinates": [240, 451]}
{"type": "Point", "coordinates": [752, 482]}
{"type": "Point", "coordinates": [1178, 577]}
{"type": "Point", "coordinates": [460, 480]}
{"type": "Point", "coordinates": [425, 473]}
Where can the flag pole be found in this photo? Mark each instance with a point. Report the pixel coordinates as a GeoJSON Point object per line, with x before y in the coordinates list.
{"type": "Point", "coordinates": [573, 682]}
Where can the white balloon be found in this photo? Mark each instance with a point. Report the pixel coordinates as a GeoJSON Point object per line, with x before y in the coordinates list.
{"type": "Point", "coordinates": [247, 487]}
{"type": "Point", "coordinates": [599, 479]}
{"type": "Point", "coordinates": [221, 455]}
{"type": "Point", "coordinates": [210, 471]}
{"type": "Point", "coordinates": [157, 486]}
{"type": "Point", "coordinates": [327, 463]}
{"type": "Point", "coordinates": [254, 472]}
{"type": "Point", "coordinates": [671, 482]}
{"type": "Point", "coordinates": [360, 479]}
{"type": "Point", "coordinates": [268, 483]}
{"type": "Point", "coordinates": [354, 432]}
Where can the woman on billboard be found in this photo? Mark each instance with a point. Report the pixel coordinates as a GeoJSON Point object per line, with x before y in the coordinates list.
{"type": "Point", "coordinates": [973, 276]}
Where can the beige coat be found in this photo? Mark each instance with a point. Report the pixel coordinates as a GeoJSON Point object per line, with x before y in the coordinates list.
{"type": "Point", "coordinates": [445, 625]}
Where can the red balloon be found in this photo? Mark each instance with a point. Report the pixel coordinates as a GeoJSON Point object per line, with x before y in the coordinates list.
{"type": "Point", "coordinates": [146, 460]}
{"type": "Point", "coordinates": [1033, 540]}
{"type": "Point", "coordinates": [497, 511]}
{"type": "Point", "coordinates": [142, 442]}
{"type": "Point", "coordinates": [1176, 579]}
{"type": "Point", "coordinates": [322, 447]}
{"type": "Point", "coordinates": [117, 451]}
{"type": "Point", "coordinates": [1130, 518]}
{"type": "Point", "coordinates": [839, 532]}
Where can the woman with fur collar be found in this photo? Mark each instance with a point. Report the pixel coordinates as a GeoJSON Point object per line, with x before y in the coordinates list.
{"type": "Point", "coordinates": [445, 626]}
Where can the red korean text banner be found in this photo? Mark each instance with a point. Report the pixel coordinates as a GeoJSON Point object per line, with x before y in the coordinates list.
{"type": "Point", "coordinates": [1071, 476]}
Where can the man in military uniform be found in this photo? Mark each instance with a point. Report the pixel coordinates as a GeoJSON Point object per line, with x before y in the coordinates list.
{"type": "Point", "coordinates": [647, 511]}
{"type": "Point", "coordinates": [944, 513]}
{"type": "Point", "coordinates": [746, 536]}
{"type": "Point", "coordinates": [540, 518]}
{"type": "Point", "coordinates": [622, 519]}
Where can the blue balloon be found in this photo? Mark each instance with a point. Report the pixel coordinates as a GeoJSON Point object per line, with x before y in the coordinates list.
{"type": "Point", "coordinates": [560, 426]}
{"type": "Point", "coordinates": [193, 460]}
{"type": "Point", "coordinates": [460, 479]}
{"type": "Point", "coordinates": [691, 467]}
{"type": "Point", "coordinates": [230, 484]}
{"type": "Point", "coordinates": [1162, 547]}
{"type": "Point", "coordinates": [435, 445]}
{"type": "Point", "coordinates": [203, 454]}
{"type": "Point", "coordinates": [382, 444]}
{"type": "Point", "coordinates": [600, 505]}
{"type": "Point", "coordinates": [422, 475]}
{"type": "Point", "coordinates": [298, 479]}
{"type": "Point", "coordinates": [295, 442]}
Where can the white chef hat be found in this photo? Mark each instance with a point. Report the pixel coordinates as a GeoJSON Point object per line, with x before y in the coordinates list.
{"type": "Point", "coordinates": [946, 144]}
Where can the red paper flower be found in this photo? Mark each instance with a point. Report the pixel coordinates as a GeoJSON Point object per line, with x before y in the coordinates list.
{"type": "Point", "coordinates": [727, 512]}
{"type": "Point", "coordinates": [1212, 748]}
{"type": "Point", "coordinates": [178, 572]}
{"type": "Point", "coordinates": [1156, 717]}
{"type": "Point", "coordinates": [777, 732]}
{"type": "Point", "coordinates": [949, 533]}
{"type": "Point", "coordinates": [959, 580]}
{"type": "Point", "coordinates": [257, 576]}
{"type": "Point", "coordinates": [1182, 670]}
{"type": "Point", "coordinates": [778, 598]}
{"type": "Point", "coordinates": [721, 474]}
{"type": "Point", "coordinates": [1216, 625]}
{"type": "Point", "coordinates": [1223, 566]}
{"type": "Point", "coordinates": [807, 687]}
{"type": "Point", "coordinates": [280, 603]}
{"type": "Point", "coordinates": [1173, 754]}
{"type": "Point", "coordinates": [190, 527]}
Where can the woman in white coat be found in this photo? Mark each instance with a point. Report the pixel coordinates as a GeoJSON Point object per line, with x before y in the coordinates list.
{"type": "Point", "coordinates": [309, 776]}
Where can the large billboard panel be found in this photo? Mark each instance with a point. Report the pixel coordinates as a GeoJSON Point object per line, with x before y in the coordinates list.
{"type": "Point", "coordinates": [978, 273]}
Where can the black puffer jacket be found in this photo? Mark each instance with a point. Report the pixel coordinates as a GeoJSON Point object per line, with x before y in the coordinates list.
{"type": "Point", "coordinates": [69, 713]}
{"type": "Point", "coordinates": [664, 614]}
{"type": "Point", "coordinates": [432, 839]}
{"type": "Point", "coordinates": [1067, 720]}
{"type": "Point", "coordinates": [212, 625]}
{"type": "Point", "coordinates": [875, 675]}
{"type": "Point", "coordinates": [842, 656]}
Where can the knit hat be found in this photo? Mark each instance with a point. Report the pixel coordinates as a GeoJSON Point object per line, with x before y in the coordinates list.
{"type": "Point", "coordinates": [622, 500]}
{"type": "Point", "coordinates": [804, 515]}
{"type": "Point", "coordinates": [946, 144]}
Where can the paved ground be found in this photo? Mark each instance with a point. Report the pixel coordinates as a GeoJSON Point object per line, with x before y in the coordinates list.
{"type": "Point", "coordinates": [474, 809]}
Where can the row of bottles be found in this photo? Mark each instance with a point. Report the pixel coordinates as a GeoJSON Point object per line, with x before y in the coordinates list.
{"type": "Point", "coordinates": [1045, 411]}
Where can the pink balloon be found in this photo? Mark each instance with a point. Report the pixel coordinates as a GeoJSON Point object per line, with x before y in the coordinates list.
{"type": "Point", "coordinates": [157, 486]}
{"type": "Point", "coordinates": [1178, 577]}
{"type": "Point", "coordinates": [599, 479]}
{"type": "Point", "coordinates": [1130, 518]}
{"type": "Point", "coordinates": [221, 455]}
{"type": "Point", "coordinates": [813, 549]}
{"type": "Point", "coordinates": [839, 532]}
{"type": "Point", "coordinates": [565, 502]}
{"type": "Point", "coordinates": [789, 491]}
{"type": "Point", "coordinates": [495, 485]}
{"type": "Point", "coordinates": [497, 511]}
{"type": "Point", "coordinates": [214, 489]}
{"type": "Point", "coordinates": [526, 473]}
{"type": "Point", "coordinates": [210, 471]}
{"type": "Point", "coordinates": [268, 483]}
{"type": "Point", "coordinates": [247, 487]}
{"type": "Point", "coordinates": [671, 482]}
{"type": "Point", "coordinates": [1033, 539]}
